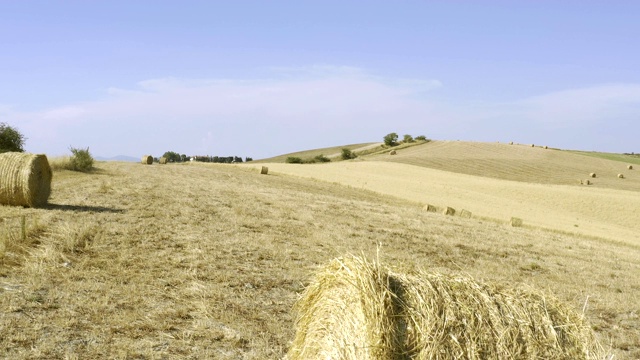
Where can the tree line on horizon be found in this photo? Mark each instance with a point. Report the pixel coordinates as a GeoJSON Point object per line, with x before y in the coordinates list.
{"type": "Point", "coordinates": [173, 156]}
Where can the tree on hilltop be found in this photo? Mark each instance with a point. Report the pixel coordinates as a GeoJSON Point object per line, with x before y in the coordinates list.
{"type": "Point", "coordinates": [391, 139]}
{"type": "Point", "coordinates": [10, 139]}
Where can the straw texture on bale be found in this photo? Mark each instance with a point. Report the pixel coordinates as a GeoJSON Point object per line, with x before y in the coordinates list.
{"type": "Point", "coordinates": [147, 159]}
{"type": "Point", "coordinates": [392, 152]}
{"type": "Point", "coordinates": [592, 175]}
{"type": "Point", "coordinates": [449, 211]}
{"type": "Point", "coordinates": [25, 179]}
{"type": "Point", "coordinates": [264, 170]}
{"type": "Point", "coordinates": [163, 160]}
{"type": "Point", "coordinates": [516, 222]}
{"type": "Point", "coordinates": [430, 208]}
{"type": "Point", "coordinates": [355, 309]}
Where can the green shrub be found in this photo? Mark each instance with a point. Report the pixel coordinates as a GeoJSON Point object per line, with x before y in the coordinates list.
{"type": "Point", "coordinates": [10, 139]}
{"type": "Point", "coordinates": [293, 160]}
{"type": "Point", "coordinates": [347, 154]}
{"type": "Point", "coordinates": [81, 160]}
{"type": "Point", "coordinates": [391, 139]}
{"type": "Point", "coordinates": [421, 138]}
{"type": "Point", "coordinates": [407, 139]}
{"type": "Point", "coordinates": [322, 159]}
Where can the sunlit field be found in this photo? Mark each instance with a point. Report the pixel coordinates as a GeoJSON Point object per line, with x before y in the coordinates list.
{"type": "Point", "coordinates": [202, 260]}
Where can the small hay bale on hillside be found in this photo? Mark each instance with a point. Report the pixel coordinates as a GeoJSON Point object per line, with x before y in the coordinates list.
{"type": "Point", "coordinates": [449, 211]}
{"type": "Point", "coordinates": [533, 145]}
{"type": "Point", "coordinates": [356, 309]}
{"type": "Point", "coordinates": [430, 208]}
{"type": "Point", "coordinates": [516, 222]}
{"type": "Point", "coordinates": [546, 147]}
{"type": "Point", "coordinates": [592, 175]}
{"type": "Point", "coordinates": [392, 152]}
{"type": "Point", "coordinates": [620, 176]}
{"type": "Point", "coordinates": [587, 182]}
{"type": "Point", "coordinates": [147, 160]}
{"type": "Point", "coordinates": [25, 179]}
{"type": "Point", "coordinates": [465, 214]}
{"type": "Point", "coordinates": [511, 143]}
{"type": "Point", "coordinates": [630, 167]}
{"type": "Point", "coordinates": [163, 160]}
{"type": "Point", "coordinates": [264, 170]}
{"type": "Point", "coordinates": [581, 182]}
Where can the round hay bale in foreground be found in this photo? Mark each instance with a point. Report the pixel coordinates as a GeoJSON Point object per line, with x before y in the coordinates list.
{"type": "Point", "coordinates": [355, 309]}
{"type": "Point", "coordinates": [147, 160]}
{"type": "Point", "coordinates": [264, 170]}
{"type": "Point", "coordinates": [25, 179]}
{"type": "Point", "coordinates": [163, 160]}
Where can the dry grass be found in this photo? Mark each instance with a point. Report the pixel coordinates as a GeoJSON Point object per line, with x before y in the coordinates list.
{"type": "Point", "coordinates": [517, 163]}
{"type": "Point", "coordinates": [334, 152]}
{"type": "Point", "coordinates": [117, 267]}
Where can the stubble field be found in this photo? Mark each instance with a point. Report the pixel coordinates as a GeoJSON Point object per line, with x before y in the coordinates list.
{"type": "Point", "coordinates": [192, 261]}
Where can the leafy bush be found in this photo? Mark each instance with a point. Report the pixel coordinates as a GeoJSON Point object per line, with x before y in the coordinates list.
{"type": "Point", "coordinates": [407, 139]}
{"type": "Point", "coordinates": [293, 160]}
{"type": "Point", "coordinates": [421, 138]}
{"type": "Point", "coordinates": [80, 160]}
{"type": "Point", "coordinates": [10, 139]}
{"type": "Point", "coordinates": [347, 154]}
{"type": "Point", "coordinates": [322, 159]}
{"type": "Point", "coordinates": [391, 139]}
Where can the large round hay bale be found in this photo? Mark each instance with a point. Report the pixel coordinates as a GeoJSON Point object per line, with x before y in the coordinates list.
{"type": "Point", "coordinates": [25, 179]}
{"type": "Point", "coordinates": [163, 160]}
{"type": "Point", "coordinates": [264, 170]}
{"type": "Point", "coordinates": [147, 160]}
{"type": "Point", "coordinates": [355, 309]}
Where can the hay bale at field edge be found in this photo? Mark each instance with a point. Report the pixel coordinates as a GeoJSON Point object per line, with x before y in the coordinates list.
{"type": "Point", "coordinates": [449, 211]}
{"type": "Point", "coordinates": [516, 222]}
{"type": "Point", "coordinates": [147, 160]}
{"type": "Point", "coordinates": [163, 160]}
{"type": "Point", "coordinates": [356, 309]}
{"type": "Point", "coordinates": [264, 170]}
{"type": "Point", "coordinates": [465, 214]}
{"type": "Point", "coordinates": [25, 179]}
{"type": "Point", "coordinates": [430, 208]}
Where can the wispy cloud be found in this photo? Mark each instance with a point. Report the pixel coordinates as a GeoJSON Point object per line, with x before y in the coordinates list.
{"type": "Point", "coordinates": [311, 107]}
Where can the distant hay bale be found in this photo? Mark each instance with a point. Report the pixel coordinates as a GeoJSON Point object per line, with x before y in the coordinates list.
{"type": "Point", "coordinates": [630, 167]}
{"type": "Point", "coordinates": [587, 182]}
{"type": "Point", "coordinates": [516, 222]}
{"type": "Point", "coordinates": [356, 309]}
{"type": "Point", "coordinates": [25, 179]}
{"type": "Point", "coordinates": [592, 175]}
{"type": "Point", "coordinates": [511, 143]}
{"type": "Point", "coordinates": [580, 181]}
{"type": "Point", "coordinates": [546, 147]}
{"type": "Point", "coordinates": [533, 145]}
{"type": "Point", "coordinates": [430, 208]}
{"type": "Point", "coordinates": [147, 159]}
{"type": "Point", "coordinates": [465, 214]}
{"type": "Point", "coordinates": [163, 160]}
{"type": "Point", "coordinates": [449, 211]}
{"type": "Point", "coordinates": [392, 152]}
{"type": "Point", "coordinates": [264, 170]}
{"type": "Point", "coordinates": [620, 176]}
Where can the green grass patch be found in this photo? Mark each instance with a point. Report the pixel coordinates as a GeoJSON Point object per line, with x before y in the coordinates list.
{"type": "Point", "coordinates": [626, 158]}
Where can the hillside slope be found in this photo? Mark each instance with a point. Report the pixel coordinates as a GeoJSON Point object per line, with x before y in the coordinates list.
{"type": "Point", "coordinates": [518, 163]}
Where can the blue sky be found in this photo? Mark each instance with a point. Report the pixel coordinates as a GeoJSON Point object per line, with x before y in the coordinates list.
{"type": "Point", "coordinates": [263, 78]}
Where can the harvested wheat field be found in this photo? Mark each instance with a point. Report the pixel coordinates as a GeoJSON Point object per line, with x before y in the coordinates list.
{"type": "Point", "coordinates": [206, 261]}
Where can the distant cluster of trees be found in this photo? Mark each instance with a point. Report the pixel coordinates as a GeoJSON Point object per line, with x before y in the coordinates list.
{"type": "Point", "coordinates": [173, 156]}
{"type": "Point", "coordinates": [391, 139]}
